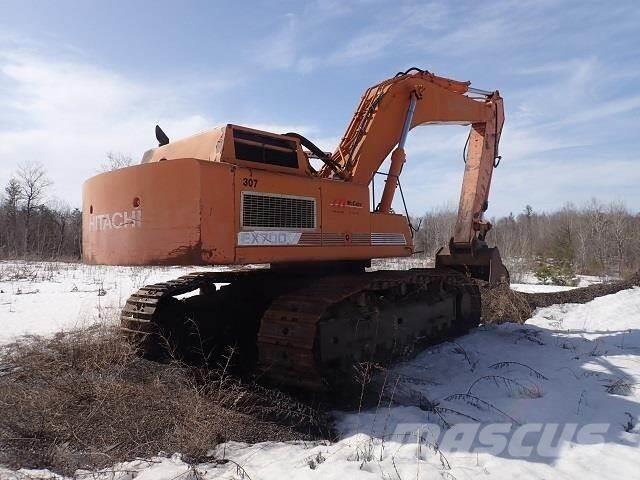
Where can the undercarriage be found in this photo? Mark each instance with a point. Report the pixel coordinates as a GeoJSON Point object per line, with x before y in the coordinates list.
{"type": "Point", "coordinates": [300, 329]}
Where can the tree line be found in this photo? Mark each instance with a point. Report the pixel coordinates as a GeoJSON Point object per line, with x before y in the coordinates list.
{"type": "Point", "coordinates": [595, 238]}
{"type": "Point", "coordinates": [35, 226]}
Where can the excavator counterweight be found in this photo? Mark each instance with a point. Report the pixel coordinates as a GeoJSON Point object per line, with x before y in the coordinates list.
{"type": "Point", "coordinates": [239, 197]}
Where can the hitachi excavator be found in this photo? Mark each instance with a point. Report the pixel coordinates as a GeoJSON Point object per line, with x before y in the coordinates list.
{"type": "Point", "coordinates": [243, 198]}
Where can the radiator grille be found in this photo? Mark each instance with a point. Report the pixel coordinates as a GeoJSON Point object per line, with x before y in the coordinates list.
{"type": "Point", "coordinates": [277, 211]}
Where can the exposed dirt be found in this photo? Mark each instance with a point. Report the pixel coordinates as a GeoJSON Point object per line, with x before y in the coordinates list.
{"type": "Point", "coordinates": [501, 304]}
{"type": "Point", "coordinates": [84, 400]}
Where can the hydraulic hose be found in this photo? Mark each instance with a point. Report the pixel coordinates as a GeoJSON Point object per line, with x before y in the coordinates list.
{"type": "Point", "coordinates": [317, 151]}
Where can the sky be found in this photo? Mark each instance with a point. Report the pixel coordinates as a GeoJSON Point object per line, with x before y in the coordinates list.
{"type": "Point", "coordinates": [81, 79]}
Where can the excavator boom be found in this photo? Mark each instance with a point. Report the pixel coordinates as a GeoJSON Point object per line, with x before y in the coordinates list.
{"type": "Point", "coordinates": [382, 121]}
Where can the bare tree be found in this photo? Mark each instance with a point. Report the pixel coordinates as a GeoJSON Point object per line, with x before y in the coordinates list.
{"type": "Point", "coordinates": [600, 240]}
{"type": "Point", "coordinates": [116, 160]}
{"type": "Point", "coordinates": [593, 239]}
{"type": "Point", "coordinates": [620, 231]}
{"type": "Point", "coordinates": [52, 230]}
{"type": "Point", "coordinates": [33, 182]}
{"type": "Point", "coordinates": [436, 229]}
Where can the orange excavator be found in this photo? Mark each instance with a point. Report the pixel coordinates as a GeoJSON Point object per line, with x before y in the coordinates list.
{"type": "Point", "coordinates": [296, 301]}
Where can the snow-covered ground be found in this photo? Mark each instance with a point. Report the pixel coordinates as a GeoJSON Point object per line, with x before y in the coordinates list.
{"type": "Point", "coordinates": [529, 283]}
{"type": "Point", "coordinates": [45, 297]}
{"type": "Point", "coordinates": [534, 287]}
{"type": "Point", "coordinates": [572, 370]}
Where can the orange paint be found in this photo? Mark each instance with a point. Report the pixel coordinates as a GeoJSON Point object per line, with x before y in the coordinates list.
{"type": "Point", "coordinates": [235, 195]}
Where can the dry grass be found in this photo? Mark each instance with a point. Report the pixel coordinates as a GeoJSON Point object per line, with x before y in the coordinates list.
{"type": "Point", "coordinates": [84, 399]}
{"type": "Point", "coordinates": [501, 304]}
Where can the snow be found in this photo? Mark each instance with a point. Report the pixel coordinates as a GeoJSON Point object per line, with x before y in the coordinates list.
{"type": "Point", "coordinates": [568, 365]}
{"type": "Point", "coordinates": [538, 288]}
{"type": "Point", "coordinates": [45, 297]}
{"type": "Point", "coordinates": [582, 280]}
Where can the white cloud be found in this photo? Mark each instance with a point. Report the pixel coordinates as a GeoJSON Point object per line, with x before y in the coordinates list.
{"type": "Point", "coordinates": [519, 143]}
{"type": "Point", "coordinates": [68, 114]}
{"type": "Point", "coordinates": [328, 144]}
{"type": "Point", "coordinates": [327, 9]}
{"type": "Point", "coordinates": [281, 127]}
{"type": "Point", "coordinates": [424, 15]}
{"type": "Point", "coordinates": [362, 47]}
{"type": "Point", "coordinates": [279, 50]}
{"type": "Point", "coordinates": [286, 49]}
{"type": "Point", "coordinates": [597, 111]}
{"type": "Point", "coordinates": [548, 183]}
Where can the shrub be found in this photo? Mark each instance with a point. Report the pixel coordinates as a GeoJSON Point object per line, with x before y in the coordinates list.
{"type": "Point", "coordinates": [556, 273]}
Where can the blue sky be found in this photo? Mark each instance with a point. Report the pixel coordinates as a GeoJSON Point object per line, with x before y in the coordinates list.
{"type": "Point", "coordinates": [79, 79]}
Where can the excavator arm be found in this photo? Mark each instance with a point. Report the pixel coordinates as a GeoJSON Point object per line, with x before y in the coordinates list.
{"type": "Point", "coordinates": [380, 125]}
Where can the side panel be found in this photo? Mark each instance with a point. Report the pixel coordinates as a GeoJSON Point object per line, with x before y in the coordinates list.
{"type": "Point", "coordinates": [342, 228]}
{"type": "Point", "coordinates": [389, 230]}
{"type": "Point", "coordinates": [150, 214]}
{"type": "Point", "coordinates": [218, 213]}
{"type": "Point", "coordinates": [190, 212]}
{"type": "Point", "coordinates": [345, 208]}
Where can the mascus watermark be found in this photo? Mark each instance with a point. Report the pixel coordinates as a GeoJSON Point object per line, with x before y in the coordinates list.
{"type": "Point", "coordinates": [504, 439]}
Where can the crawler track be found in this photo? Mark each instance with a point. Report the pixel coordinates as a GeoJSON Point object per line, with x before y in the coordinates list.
{"type": "Point", "coordinates": [301, 330]}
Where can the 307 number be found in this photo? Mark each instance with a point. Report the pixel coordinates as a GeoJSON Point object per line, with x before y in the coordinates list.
{"type": "Point", "coordinates": [250, 182]}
